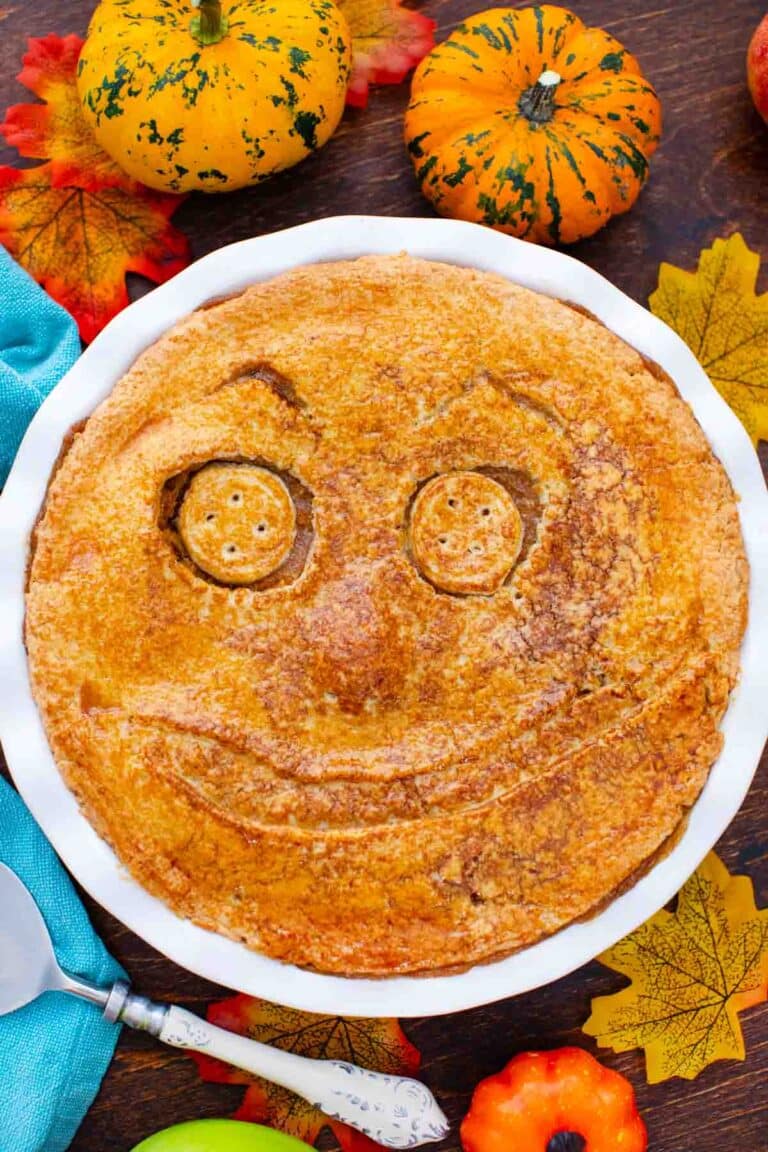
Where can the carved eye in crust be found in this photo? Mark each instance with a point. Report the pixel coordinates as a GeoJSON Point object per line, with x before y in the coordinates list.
{"type": "Point", "coordinates": [237, 522]}
{"type": "Point", "coordinates": [465, 533]}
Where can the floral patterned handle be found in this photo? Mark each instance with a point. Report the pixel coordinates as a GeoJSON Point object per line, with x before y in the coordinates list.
{"type": "Point", "coordinates": [392, 1110]}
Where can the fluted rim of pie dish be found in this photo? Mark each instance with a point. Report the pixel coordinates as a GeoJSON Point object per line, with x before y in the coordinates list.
{"type": "Point", "coordinates": [92, 862]}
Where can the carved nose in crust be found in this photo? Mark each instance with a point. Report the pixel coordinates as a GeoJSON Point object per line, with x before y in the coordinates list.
{"type": "Point", "coordinates": [359, 645]}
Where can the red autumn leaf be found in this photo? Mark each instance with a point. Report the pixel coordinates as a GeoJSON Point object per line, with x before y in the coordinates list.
{"type": "Point", "coordinates": [56, 130]}
{"type": "Point", "coordinates": [377, 1044]}
{"type": "Point", "coordinates": [77, 223]}
{"type": "Point", "coordinates": [387, 41]}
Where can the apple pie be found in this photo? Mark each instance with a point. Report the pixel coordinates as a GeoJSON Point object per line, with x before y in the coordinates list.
{"type": "Point", "coordinates": [383, 616]}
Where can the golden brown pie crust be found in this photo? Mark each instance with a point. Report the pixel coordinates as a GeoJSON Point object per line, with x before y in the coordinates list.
{"type": "Point", "coordinates": [236, 522]}
{"type": "Point", "coordinates": [465, 533]}
{"type": "Point", "coordinates": [357, 763]}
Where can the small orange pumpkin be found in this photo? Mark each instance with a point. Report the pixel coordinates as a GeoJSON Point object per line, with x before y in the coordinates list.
{"type": "Point", "coordinates": [559, 1101]}
{"type": "Point", "coordinates": [527, 120]}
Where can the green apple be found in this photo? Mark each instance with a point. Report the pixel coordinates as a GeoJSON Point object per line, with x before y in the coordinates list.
{"type": "Point", "coordinates": [220, 1136]}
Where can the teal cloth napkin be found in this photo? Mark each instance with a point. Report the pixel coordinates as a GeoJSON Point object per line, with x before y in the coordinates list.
{"type": "Point", "coordinates": [53, 1052]}
{"type": "Point", "coordinates": [38, 344]}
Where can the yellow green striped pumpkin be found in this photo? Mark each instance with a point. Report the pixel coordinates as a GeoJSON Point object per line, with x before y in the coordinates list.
{"type": "Point", "coordinates": [527, 120]}
{"type": "Point", "coordinates": [213, 94]}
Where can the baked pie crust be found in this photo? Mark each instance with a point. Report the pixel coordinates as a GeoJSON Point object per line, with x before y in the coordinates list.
{"type": "Point", "coordinates": [237, 522]}
{"type": "Point", "coordinates": [467, 680]}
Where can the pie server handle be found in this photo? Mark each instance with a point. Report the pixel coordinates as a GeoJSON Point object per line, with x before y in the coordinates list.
{"type": "Point", "coordinates": [392, 1110]}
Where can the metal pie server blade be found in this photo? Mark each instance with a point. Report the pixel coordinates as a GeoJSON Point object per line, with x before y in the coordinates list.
{"type": "Point", "coordinates": [28, 966]}
{"type": "Point", "coordinates": [395, 1111]}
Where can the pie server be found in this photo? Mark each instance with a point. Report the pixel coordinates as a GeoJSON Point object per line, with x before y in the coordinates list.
{"type": "Point", "coordinates": [392, 1110]}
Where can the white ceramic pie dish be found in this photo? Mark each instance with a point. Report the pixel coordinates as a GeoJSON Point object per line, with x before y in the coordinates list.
{"type": "Point", "coordinates": [92, 862]}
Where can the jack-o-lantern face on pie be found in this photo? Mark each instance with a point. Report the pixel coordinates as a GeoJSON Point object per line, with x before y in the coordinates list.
{"type": "Point", "coordinates": [376, 605]}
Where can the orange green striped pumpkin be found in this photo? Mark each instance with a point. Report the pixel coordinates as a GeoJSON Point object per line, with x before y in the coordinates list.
{"type": "Point", "coordinates": [213, 94]}
{"type": "Point", "coordinates": [527, 120]}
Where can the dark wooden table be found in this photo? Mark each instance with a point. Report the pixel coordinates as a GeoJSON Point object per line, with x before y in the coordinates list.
{"type": "Point", "coordinates": [709, 179]}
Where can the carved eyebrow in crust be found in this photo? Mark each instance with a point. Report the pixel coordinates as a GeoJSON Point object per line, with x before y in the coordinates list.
{"type": "Point", "coordinates": [510, 389]}
{"type": "Point", "coordinates": [274, 380]}
{"type": "Point", "coordinates": [279, 385]}
{"type": "Point", "coordinates": [523, 400]}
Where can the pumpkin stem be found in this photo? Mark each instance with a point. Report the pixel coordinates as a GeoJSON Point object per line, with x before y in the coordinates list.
{"type": "Point", "coordinates": [210, 25]}
{"type": "Point", "coordinates": [537, 103]}
{"type": "Point", "coordinates": [566, 1142]}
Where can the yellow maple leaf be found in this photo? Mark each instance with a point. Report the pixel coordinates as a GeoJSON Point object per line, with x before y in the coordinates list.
{"type": "Point", "coordinates": [692, 972]}
{"type": "Point", "coordinates": [724, 323]}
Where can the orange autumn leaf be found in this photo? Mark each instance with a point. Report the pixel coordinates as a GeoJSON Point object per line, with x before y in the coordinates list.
{"type": "Point", "coordinates": [377, 1044]}
{"type": "Point", "coordinates": [692, 971]}
{"type": "Point", "coordinates": [76, 223]}
{"type": "Point", "coordinates": [79, 243]}
{"type": "Point", "coordinates": [725, 324]}
{"type": "Point", "coordinates": [387, 41]}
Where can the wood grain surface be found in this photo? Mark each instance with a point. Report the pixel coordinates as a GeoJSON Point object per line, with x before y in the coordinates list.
{"type": "Point", "coordinates": [708, 179]}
